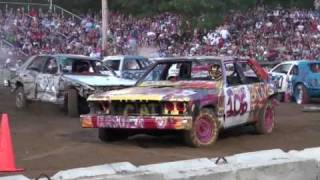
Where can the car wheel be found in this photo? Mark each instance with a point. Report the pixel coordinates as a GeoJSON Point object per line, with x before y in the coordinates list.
{"type": "Point", "coordinates": [280, 97]}
{"type": "Point", "coordinates": [204, 131]}
{"type": "Point", "coordinates": [266, 121]}
{"type": "Point", "coordinates": [109, 135]}
{"type": "Point", "coordinates": [83, 106]}
{"type": "Point", "coordinates": [72, 103]}
{"type": "Point", "coordinates": [21, 101]}
{"type": "Point", "coordinates": [300, 94]}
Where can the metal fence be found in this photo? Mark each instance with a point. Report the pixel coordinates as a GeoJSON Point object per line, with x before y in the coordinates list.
{"type": "Point", "coordinates": [5, 6]}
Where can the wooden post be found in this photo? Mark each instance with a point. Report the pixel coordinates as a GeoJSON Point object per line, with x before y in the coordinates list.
{"type": "Point", "coordinates": [105, 27]}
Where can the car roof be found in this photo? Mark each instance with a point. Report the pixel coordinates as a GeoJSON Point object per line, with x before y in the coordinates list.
{"type": "Point", "coordinates": [122, 56]}
{"type": "Point", "coordinates": [76, 56]}
{"type": "Point", "coordinates": [296, 61]}
{"type": "Point", "coordinates": [199, 58]}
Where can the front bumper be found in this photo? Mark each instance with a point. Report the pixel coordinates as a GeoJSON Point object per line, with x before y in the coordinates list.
{"type": "Point", "coordinates": [136, 122]}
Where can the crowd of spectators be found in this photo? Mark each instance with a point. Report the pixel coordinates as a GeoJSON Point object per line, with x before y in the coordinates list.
{"type": "Point", "coordinates": [264, 33]}
{"type": "Point", "coordinates": [44, 32]}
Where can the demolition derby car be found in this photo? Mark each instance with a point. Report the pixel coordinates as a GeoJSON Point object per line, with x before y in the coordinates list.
{"type": "Point", "coordinates": [298, 79]}
{"type": "Point", "coordinates": [196, 96]}
{"type": "Point", "coordinates": [63, 79]}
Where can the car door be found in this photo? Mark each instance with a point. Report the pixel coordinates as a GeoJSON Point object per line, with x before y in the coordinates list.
{"type": "Point", "coordinates": [131, 69]}
{"type": "Point", "coordinates": [48, 81]}
{"type": "Point", "coordinates": [236, 97]}
{"type": "Point", "coordinates": [280, 76]}
{"type": "Point", "coordinates": [312, 72]}
{"type": "Point", "coordinates": [29, 75]}
{"type": "Point", "coordinates": [258, 89]}
{"type": "Point", "coordinates": [292, 78]}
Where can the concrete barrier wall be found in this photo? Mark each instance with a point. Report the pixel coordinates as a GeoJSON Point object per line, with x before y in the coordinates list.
{"type": "Point", "coordinates": [260, 165]}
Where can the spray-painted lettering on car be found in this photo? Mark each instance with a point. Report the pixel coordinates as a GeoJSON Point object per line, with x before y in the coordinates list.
{"type": "Point", "coordinates": [235, 98]}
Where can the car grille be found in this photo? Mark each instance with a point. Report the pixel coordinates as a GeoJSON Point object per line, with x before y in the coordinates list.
{"type": "Point", "coordinates": [136, 108]}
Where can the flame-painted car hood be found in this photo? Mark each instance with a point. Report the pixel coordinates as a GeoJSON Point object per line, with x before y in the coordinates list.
{"type": "Point", "coordinates": [163, 91]}
{"type": "Point", "coordinates": [96, 80]}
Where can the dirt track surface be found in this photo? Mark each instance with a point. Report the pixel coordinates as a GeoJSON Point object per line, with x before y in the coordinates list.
{"type": "Point", "coordinates": [46, 140]}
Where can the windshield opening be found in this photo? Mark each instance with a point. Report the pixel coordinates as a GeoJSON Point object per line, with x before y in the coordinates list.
{"type": "Point", "coordinates": [79, 66]}
{"type": "Point", "coordinates": [113, 64]}
{"type": "Point", "coordinates": [204, 70]}
{"type": "Point", "coordinates": [282, 68]}
{"type": "Point", "coordinates": [83, 66]}
{"type": "Point", "coordinates": [315, 67]}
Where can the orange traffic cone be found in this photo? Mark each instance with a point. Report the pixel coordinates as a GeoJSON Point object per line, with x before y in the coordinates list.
{"type": "Point", "coordinates": [7, 159]}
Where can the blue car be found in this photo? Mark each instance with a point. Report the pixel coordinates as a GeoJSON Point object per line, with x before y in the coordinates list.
{"type": "Point", "coordinates": [300, 79]}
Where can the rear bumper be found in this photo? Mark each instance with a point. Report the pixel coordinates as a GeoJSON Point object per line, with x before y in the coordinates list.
{"type": "Point", "coordinates": [136, 122]}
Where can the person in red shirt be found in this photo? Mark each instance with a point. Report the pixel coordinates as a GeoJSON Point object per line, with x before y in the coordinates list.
{"type": "Point", "coordinates": [33, 13]}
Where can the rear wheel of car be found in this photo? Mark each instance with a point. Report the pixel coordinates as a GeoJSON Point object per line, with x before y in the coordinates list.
{"type": "Point", "coordinates": [109, 135]}
{"type": "Point", "coordinates": [21, 101]}
{"type": "Point", "coordinates": [72, 103]}
{"type": "Point", "coordinates": [204, 131]}
{"type": "Point", "coordinates": [266, 121]}
{"type": "Point", "coordinates": [300, 94]}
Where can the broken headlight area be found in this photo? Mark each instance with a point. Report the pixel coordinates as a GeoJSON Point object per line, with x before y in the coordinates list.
{"type": "Point", "coordinates": [139, 108]}
{"type": "Point", "coordinates": [99, 107]}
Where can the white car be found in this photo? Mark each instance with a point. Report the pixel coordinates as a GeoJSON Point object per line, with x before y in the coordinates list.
{"type": "Point", "coordinates": [127, 67]}
{"type": "Point", "coordinates": [65, 80]}
{"type": "Point", "coordinates": [281, 75]}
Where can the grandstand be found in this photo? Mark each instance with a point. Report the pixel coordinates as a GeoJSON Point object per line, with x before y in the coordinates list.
{"type": "Point", "coordinates": [268, 34]}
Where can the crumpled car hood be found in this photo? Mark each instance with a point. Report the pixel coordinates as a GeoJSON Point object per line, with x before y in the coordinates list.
{"type": "Point", "coordinates": [94, 80]}
{"type": "Point", "coordinates": [168, 92]}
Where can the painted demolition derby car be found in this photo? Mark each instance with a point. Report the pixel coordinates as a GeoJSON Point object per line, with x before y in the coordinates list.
{"type": "Point", "coordinates": [63, 79]}
{"type": "Point", "coordinates": [127, 67]}
{"type": "Point", "coordinates": [299, 79]}
{"type": "Point", "coordinates": [196, 96]}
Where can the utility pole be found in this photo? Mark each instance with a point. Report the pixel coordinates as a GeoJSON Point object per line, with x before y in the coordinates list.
{"type": "Point", "coordinates": [50, 7]}
{"type": "Point", "coordinates": [104, 4]}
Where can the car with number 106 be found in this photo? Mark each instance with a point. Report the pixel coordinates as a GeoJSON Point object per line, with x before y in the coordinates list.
{"type": "Point", "coordinates": [192, 96]}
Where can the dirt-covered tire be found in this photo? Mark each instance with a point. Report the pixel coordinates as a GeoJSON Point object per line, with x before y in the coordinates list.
{"type": "Point", "coordinates": [21, 101]}
{"type": "Point", "coordinates": [72, 103]}
{"type": "Point", "coordinates": [266, 121]}
{"type": "Point", "coordinates": [204, 131]}
{"type": "Point", "coordinates": [300, 94]}
{"type": "Point", "coordinates": [109, 135]}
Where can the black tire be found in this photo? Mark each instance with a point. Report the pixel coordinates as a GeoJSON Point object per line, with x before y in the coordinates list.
{"type": "Point", "coordinates": [21, 100]}
{"type": "Point", "coordinates": [304, 99]}
{"type": "Point", "coordinates": [280, 97]}
{"type": "Point", "coordinates": [72, 103]}
{"type": "Point", "coordinates": [83, 106]}
{"type": "Point", "coordinates": [205, 121]}
{"type": "Point", "coordinates": [266, 121]}
{"type": "Point", "coordinates": [109, 135]}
